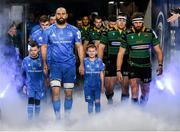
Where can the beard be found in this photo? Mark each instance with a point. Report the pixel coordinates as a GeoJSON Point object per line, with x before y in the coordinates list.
{"type": "Point", "coordinates": [138, 29]}
{"type": "Point", "coordinates": [61, 21]}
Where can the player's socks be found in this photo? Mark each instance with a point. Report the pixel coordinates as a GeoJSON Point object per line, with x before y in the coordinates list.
{"type": "Point", "coordinates": [124, 97]}
{"type": "Point", "coordinates": [109, 97]}
{"type": "Point", "coordinates": [135, 101]}
{"type": "Point", "coordinates": [37, 110]}
{"type": "Point", "coordinates": [143, 100]}
{"type": "Point", "coordinates": [30, 108]}
{"type": "Point", "coordinates": [90, 107]}
{"type": "Point", "coordinates": [68, 104]}
{"type": "Point", "coordinates": [97, 107]}
{"type": "Point", "coordinates": [57, 106]}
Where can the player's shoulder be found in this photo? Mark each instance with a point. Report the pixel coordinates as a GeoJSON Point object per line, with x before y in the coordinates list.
{"type": "Point", "coordinates": [149, 30]}
{"type": "Point", "coordinates": [86, 59]}
{"type": "Point", "coordinates": [26, 59]}
{"type": "Point", "coordinates": [129, 31]}
{"type": "Point", "coordinates": [50, 28]}
{"type": "Point", "coordinates": [73, 28]}
{"type": "Point", "coordinates": [99, 59]}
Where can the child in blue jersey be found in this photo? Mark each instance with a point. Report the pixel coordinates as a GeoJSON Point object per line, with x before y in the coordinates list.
{"type": "Point", "coordinates": [34, 79]}
{"type": "Point", "coordinates": [93, 79]}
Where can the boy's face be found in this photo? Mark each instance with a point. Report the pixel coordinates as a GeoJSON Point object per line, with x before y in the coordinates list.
{"type": "Point", "coordinates": [34, 51]}
{"type": "Point", "coordinates": [92, 52]}
{"type": "Point", "coordinates": [44, 25]}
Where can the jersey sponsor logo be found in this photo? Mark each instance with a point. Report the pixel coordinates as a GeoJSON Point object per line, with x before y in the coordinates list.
{"type": "Point", "coordinates": [70, 34]}
{"type": "Point", "coordinates": [92, 72]}
{"type": "Point", "coordinates": [53, 35]}
{"type": "Point", "coordinates": [65, 41]}
{"type": "Point", "coordinates": [88, 97]}
{"type": "Point", "coordinates": [140, 47]}
{"type": "Point", "coordinates": [116, 43]}
{"type": "Point", "coordinates": [79, 35]}
{"type": "Point", "coordinates": [40, 38]}
{"type": "Point", "coordinates": [34, 70]}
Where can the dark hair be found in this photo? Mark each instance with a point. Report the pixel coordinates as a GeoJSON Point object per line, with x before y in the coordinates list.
{"type": "Point", "coordinates": [97, 17]}
{"type": "Point", "coordinates": [112, 18]}
{"type": "Point", "coordinates": [51, 15]}
{"type": "Point", "coordinates": [90, 46]}
{"type": "Point", "coordinates": [137, 15]}
{"type": "Point", "coordinates": [122, 14]}
{"type": "Point", "coordinates": [33, 44]}
{"type": "Point", "coordinates": [43, 18]}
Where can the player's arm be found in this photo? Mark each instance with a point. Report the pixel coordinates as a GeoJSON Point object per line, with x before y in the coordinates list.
{"type": "Point", "coordinates": [119, 62]}
{"type": "Point", "coordinates": [175, 15]}
{"type": "Point", "coordinates": [23, 74]}
{"type": "Point", "coordinates": [103, 42]}
{"type": "Point", "coordinates": [101, 50]}
{"type": "Point", "coordinates": [43, 53]}
{"type": "Point", "coordinates": [44, 50]}
{"type": "Point", "coordinates": [102, 81]}
{"type": "Point", "coordinates": [80, 50]}
{"type": "Point", "coordinates": [158, 51]}
{"type": "Point", "coordinates": [159, 54]}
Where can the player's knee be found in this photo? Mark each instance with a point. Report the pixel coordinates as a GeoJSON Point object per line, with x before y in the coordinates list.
{"type": "Point", "coordinates": [68, 85]}
{"type": "Point", "coordinates": [55, 83]}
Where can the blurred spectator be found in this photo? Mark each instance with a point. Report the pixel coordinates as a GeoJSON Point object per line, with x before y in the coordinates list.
{"type": "Point", "coordinates": [12, 42]}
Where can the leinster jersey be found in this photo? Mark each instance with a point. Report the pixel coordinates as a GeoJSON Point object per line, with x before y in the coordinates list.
{"type": "Point", "coordinates": [37, 36]}
{"type": "Point", "coordinates": [92, 71]}
{"type": "Point", "coordinates": [61, 43]}
{"type": "Point", "coordinates": [34, 72]}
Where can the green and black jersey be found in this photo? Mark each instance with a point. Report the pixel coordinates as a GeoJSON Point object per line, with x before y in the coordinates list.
{"type": "Point", "coordinates": [139, 46]}
{"type": "Point", "coordinates": [84, 32]}
{"type": "Point", "coordinates": [94, 34]}
{"type": "Point", "coordinates": [112, 40]}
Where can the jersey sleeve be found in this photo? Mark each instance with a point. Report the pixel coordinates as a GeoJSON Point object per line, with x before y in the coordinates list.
{"type": "Point", "coordinates": [77, 36]}
{"type": "Point", "coordinates": [45, 36]}
{"type": "Point", "coordinates": [155, 39]}
{"type": "Point", "coordinates": [104, 38]}
{"type": "Point", "coordinates": [101, 65]}
{"type": "Point", "coordinates": [124, 41]}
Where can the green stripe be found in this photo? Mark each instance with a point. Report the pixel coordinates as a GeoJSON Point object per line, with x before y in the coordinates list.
{"type": "Point", "coordinates": [139, 53]}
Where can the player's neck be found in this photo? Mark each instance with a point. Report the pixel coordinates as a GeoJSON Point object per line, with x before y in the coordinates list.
{"type": "Point", "coordinates": [34, 57]}
{"type": "Point", "coordinates": [92, 58]}
{"type": "Point", "coordinates": [61, 26]}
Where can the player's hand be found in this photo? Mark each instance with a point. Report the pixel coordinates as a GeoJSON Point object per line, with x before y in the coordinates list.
{"type": "Point", "coordinates": [173, 18]}
{"type": "Point", "coordinates": [45, 69]}
{"type": "Point", "coordinates": [119, 76]}
{"type": "Point", "coordinates": [24, 90]}
{"type": "Point", "coordinates": [81, 69]}
{"type": "Point", "coordinates": [159, 70]}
